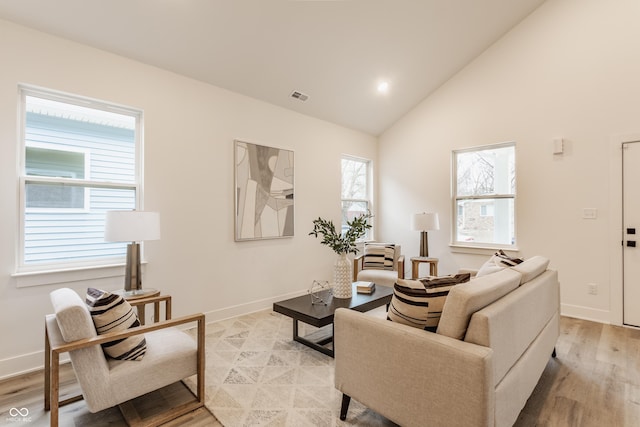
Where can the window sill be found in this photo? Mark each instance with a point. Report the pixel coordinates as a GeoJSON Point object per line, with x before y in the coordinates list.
{"type": "Point", "coordinates": [481, 250]}
{"type": "Point", "coordinates": [27, 279]}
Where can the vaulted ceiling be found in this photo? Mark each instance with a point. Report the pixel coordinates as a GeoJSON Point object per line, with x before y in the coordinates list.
{"type": "Point", "coordinates": [336, 52]}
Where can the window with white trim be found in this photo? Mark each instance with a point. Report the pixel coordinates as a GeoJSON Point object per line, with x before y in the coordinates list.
{"type": "Point", "coordinates": [484, 196]}
{"type": "Point", "coordinates": [80, 158]}
{"type": "Point", "coordinates": [356, 189]}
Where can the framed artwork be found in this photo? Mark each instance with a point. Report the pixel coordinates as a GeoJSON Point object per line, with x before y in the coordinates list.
{"type": "Point", "coordinates": [264, 192]}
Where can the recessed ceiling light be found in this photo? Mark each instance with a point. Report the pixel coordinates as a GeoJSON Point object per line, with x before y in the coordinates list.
{"type": "Point", "coordinates": [383, 86]}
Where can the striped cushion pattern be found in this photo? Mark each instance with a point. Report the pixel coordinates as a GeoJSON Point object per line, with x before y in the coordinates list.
{"type": "Point", "coordinates": [504, 259]}
{"type": "Point", "coordinates": [419, 303]}
{"type": "Point", "coordinates": [409, 304]}
{"type": "Point", "coordinates": [437, 289]}
{"type": "Point", "coordinates": [112, 313]}
{"type": "Point", "coordinates": [379, 256]}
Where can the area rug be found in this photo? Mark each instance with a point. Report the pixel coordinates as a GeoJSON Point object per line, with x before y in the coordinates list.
{"type": "Point", "coordinates": [256, 375]}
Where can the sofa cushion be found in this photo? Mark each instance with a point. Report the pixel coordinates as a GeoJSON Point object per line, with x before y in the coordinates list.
{"type": "Point", "coordinates": [162, 364]}
{"type": "Point", "coordinates": [379, 277]}
{"type": "Point", "coordinates": [112, 313]}
{"type": "Point", "coordinates": [467, 298]}
{"type": "Point", "coordinates": [409, 304]}
{"type": "Point", "coordinates": [498, 261]}
{"type": "Point", "coordinates": [531, 268]}
{"type": "Point", "coordinates": [379, 256]}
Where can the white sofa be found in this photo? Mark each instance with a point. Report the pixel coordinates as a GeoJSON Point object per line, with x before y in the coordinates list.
{"type": "Point", "coordinates": [494, 339]}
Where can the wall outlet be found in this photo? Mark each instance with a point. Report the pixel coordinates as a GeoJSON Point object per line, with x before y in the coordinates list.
{"type": "Point", "coordinates": [592, 288]}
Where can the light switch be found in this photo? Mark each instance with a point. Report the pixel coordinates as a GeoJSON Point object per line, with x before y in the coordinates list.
{"type": "Point", "coordinates": [558, 146]}
{"type": "Point", "coordinates": [589, 213]}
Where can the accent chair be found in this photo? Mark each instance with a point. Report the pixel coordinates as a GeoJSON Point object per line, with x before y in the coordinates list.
{"type": "Point", "coordinates": [171, 355]}
{"type": "Point", "coordinates": [380, 263]}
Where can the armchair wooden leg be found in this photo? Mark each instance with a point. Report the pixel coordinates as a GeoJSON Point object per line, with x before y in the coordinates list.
{"type": "Point", "coordinates": [51, 380]}
{"type": "Point", "coordinates": [54, 387]}
{"type": "Point", "coordinates": [201, 361]}
{"type": "Point", "coordinates": [47, 370]}
{"type": "Point", "coordinates": [554, 353]}
{"type": "Point", "coordinates": [345, 406]}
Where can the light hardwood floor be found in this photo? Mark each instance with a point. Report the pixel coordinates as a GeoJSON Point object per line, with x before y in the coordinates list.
{"type": "Point", "coordinates": [594, 381]}
{"type": "Point", "coordinates": [27, 391]}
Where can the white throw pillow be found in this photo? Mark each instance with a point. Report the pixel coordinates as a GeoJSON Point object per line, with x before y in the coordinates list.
{"type": "Point", "coordinates": [498, 261]}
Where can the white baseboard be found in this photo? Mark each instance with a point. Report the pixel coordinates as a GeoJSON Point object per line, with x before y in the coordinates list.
{"type": "Point", "coordinates": [586, 313]}
{"type": "Point", "coordinates": [24, 364]}
{"type": "Point", "coordinates": [30, 362]}
{"type": "Point", "coordinates": [246, 308]}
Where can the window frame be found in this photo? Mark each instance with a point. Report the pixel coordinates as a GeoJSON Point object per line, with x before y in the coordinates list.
{"type": "Point", "coordinates": [23, 268]}
{"type": "Point", "coordinates": [455, 198]}
{"type": "Point", "coordinates": [369, 192]}
{"type": "Point", "coordinates": [53, 147]}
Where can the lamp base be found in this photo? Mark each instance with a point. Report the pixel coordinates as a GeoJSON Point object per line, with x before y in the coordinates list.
{"type": "Point", "coordinates": [424, 244]}
{"type": "Point", "coordinates": [133, 271]}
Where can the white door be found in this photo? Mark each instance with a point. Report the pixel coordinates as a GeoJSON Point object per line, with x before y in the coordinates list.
{"type": "Point", "coordinates": [631, 232]}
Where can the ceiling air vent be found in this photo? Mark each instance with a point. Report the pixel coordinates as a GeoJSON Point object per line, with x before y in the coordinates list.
{"type": "Point", "coordinates": [299, 95]}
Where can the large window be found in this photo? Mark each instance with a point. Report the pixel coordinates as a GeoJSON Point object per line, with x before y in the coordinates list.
{"type": "Point", "coordinates": [484, 194]}
{"type": "Point", "coordinates": [80, 158]}
{"type": "Point", "coordinates": [356, 189]}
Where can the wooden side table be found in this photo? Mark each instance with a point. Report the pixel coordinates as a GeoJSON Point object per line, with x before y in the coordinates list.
{"type": "Point", "coordinates": [136, 298]}
{"type": "Point", "coordinates": [415, 266]}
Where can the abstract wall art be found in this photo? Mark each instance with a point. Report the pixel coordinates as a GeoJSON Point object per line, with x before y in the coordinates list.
{"type": "Point", "coordinates": [264, 192]}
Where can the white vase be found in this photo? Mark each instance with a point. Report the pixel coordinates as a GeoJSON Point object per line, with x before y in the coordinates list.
{"type": "Point", "coordinates": [342, 277]}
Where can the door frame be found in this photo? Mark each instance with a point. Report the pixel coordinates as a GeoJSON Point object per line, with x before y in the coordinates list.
{"type": "Point", "coordinates": [616, 227]}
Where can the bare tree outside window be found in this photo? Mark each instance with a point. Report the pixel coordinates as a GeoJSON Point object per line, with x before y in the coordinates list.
{"type": "Point", "coordinates": [355, 189]}
{"type": "Point", "coordinates": [484, 195]}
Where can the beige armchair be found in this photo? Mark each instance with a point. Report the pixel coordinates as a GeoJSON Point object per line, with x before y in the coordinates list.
{"type": "Point", "coordinates": [369, 265]}
{"type": "Point", "coordinates": [171, 355]}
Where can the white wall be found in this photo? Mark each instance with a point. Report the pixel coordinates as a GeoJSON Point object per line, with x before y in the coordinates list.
{"type": "Point", "coordinates": [569, 70]}
{"type": "Point", "coordinates": [189, 131]}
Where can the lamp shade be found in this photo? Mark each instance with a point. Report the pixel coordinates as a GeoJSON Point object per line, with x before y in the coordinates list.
{"type": "Point", "coordinates": [425, 222]}
{"type": "Point", "coordinates": [132, 226]}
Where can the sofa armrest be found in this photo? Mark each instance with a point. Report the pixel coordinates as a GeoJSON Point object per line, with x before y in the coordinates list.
{"type": "Point", "coordinates": [411, 376]}
{"type": "Point", "coordinates": [60, 346]}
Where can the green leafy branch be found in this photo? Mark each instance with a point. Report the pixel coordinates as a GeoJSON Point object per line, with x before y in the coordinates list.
{"type": "Point", "coordinates": [342, 243]}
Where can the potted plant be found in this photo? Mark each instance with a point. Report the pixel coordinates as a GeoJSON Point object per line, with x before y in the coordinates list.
{"type": "Point", "coordinates": [342, 244]}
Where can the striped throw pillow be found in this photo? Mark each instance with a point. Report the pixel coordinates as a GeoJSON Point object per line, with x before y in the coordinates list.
{"type": "Point", "coordinates": [506, 260]}
{"type": "Point", "coordinates": [409, 304]}
{"type": "Point", "coordinates": [379, 256]}
{"type": "Point", "coordinates": [437, 290]}
{"type": "Point", "coordinates": [419, 303]}
{"type": "Point", "coordinates": [112, 313]}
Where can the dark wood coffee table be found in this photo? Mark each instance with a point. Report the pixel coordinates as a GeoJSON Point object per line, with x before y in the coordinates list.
{"type": "Point", "coordinates": [300, 309]}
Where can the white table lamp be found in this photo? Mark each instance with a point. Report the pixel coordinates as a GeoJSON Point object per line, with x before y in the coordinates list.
{"type": "Point", "coordinates": [133, 227]}
{"type": "Point", "coordinates": [424, 222]}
